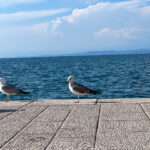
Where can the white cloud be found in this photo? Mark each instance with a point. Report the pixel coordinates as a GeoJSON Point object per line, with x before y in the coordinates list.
{"type": "Point", "coordinates": [107, 7]}
{"type": "Point", "coordinates": [128, 33]}
{"type": "Point", "coordinates": [5, 3]}
{"type": "Point", "coordinates": [145, 11]}
{"type": "Point", "coordinates": [121, 24]}
{"type": "Point", "coordinates": [79, 13]}
{"type": "Point", "coordinates": [35, 29]}
{"type": "Point", "coordinates": [19, 16]}
{"type": "Point", "coordinates": [42, 28]}
{"type": "Point", "coordinates": [55, 24]}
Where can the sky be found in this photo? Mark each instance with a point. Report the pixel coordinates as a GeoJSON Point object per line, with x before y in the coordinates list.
{"type": "Point", "coordinates": [48, 27]}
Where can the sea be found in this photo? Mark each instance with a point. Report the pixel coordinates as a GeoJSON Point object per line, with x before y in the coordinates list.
{"type": "Point", "coordinates": [116, 76]}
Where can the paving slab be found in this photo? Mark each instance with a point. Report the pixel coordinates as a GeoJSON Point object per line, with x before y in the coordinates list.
{"type": "Point", "coordinates": [79, 129]}
{"type": "Point", "coordinates": [123, 127]}
{"type": "Point", "coordinates": [7, 108]}
{"type": "Point", "coordinates": [121, 108]}
{"type": "Point", "coordinates": [54, 114]}
{"type": "Point", "coordinates": [122, 112]}
{"type": "Point", "coordinates": [41, 127]}
{"type": "Point", "coordinates": [123, 141]}
{"type": "Point", "coordinates": [16, 121]}
{"type": "Point", "coordinates": [106, 124]}
{"type": "Point", "coordinates": [124, 100]}
{"type": "Point", "coordinates": [146, 107]}
{"type": "Point", "coordinates": [72, 144]}
{"type": "Point", "coordinates": [41, 130]}
{"type": "Point", "coordinates": [124, 116]}
{"type": "Point", "coordinates": [64, 101]}
{"type": "Point", "coordinates": [29, 142]}
{"type": "Point", "coordinates": [14, 103]}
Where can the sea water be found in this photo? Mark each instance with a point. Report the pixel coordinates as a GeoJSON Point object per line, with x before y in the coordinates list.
{"type": "Point", "coordinates": [116, 76]}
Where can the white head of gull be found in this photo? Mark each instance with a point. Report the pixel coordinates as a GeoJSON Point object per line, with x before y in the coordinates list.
{"type": "Point", "coordinates": [2, 81]}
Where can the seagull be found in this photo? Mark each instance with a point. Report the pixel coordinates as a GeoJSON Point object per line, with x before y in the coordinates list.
{"type": "Point", "coordinates": [9, 89]}
{"type": "Point", "coordinates": [79, 89]}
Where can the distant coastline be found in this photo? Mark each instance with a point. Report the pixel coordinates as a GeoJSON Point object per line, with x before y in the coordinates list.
{"type": "Point", "coordinates": [104, 52]}
{"type": "Point", "coordinates": [114, 52]}
{"type": "Point", "coordinates": [92, 53]}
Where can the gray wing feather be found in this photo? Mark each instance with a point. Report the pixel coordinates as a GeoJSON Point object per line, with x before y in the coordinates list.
{"type": "Point", "coordinates": [80, 88]}
{"type": "Point", "coordinates": [11, 89]}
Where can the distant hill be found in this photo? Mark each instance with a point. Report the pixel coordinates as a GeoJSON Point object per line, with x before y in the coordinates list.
{"type": "Point", "coordinates": [89, 53]}
{"type": "Point", "coordinates": [114, 52]}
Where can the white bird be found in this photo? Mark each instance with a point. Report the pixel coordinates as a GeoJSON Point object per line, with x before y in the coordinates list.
{"type": "Point", "coordinates": [79, 89]}
{"type": "Point", "coordinates": [9, 89]}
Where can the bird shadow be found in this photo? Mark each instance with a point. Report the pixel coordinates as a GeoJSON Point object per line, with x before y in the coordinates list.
{"type": "Point", "coordinates": [10, 110]}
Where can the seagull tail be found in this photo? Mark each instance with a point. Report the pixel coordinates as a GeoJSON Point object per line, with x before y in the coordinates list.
{"type": "Point", "coordinates": [94, 92]}
{"type": "Point", "coordinates": [23, 92]}
{"type": "Point", "coordinates": [26, 92]}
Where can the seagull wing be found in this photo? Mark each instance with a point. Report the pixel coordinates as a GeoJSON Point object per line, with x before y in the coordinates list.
{"type": "Point", "coordinates": [11, 89]}
{"type": "Point", "coordinates": [82, 89]}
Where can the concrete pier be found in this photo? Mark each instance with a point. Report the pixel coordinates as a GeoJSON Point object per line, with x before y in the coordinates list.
{"type": "Point", "coordinates": [104, 124]}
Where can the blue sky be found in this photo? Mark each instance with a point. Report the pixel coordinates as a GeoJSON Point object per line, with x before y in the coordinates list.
{"type": "Point", "coordinates": [46, 27]}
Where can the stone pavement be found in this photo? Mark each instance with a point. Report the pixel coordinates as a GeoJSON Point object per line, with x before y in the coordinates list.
{"type": "Point", "coordinates": [105, 124]}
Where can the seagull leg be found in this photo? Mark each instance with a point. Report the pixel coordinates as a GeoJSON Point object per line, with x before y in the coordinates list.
{"type": "Point", "coordinates": [7, 98]}
{"type": "Point", "coordinates": [78, 100]}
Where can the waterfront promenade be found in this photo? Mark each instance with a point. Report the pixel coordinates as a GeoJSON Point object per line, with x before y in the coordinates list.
{"type": "Point", "coordinates": [104, 124]}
